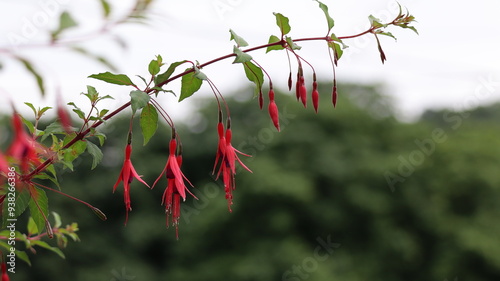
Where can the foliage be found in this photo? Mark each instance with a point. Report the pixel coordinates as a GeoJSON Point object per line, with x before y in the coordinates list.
{"type": "Point", "coordinates": [35, 159]}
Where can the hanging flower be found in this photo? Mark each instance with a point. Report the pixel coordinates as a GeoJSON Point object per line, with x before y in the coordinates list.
{"type": "Point", "coordinates": [176, 188]}
{"type": "Point", "coordinates": [24, 148]}
{"type": "Point", "coordinates": [127, 174]}
{"type": "Point", "coordinates": [228, 157]}
{"type": "Point", "coordinates": [5, 276]}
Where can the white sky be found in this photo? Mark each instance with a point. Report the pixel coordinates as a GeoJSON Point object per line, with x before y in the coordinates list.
{"type": "Point", "coordinates": [454, 62]}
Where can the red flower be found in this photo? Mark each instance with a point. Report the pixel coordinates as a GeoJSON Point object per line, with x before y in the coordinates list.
{"type": "Point", "coordinates": [273, 110]}
{"type": "Point", "coordinates": [5, 276]}
{"type": "Point", "coordinates": [228, 157]}
{"type": "Point", "coordinates": [127, 174]}
{"type": "Point", "coordinates": [24, 148]}
{"type": "Point", "coordinates": [315, 96]}
{"type": "Point", "coordinates": [175, 186]}
{"type": "Point", "coordinates": [4, 165]}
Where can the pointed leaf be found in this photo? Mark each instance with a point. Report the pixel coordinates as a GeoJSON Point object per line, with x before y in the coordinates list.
{"type": "Point", "coordinates": [96, 153]}
{"type": "Point", "coordinates": [274, 39]}
{"type": "Point", "coordinates": [11, 211]}
{"type": "Point", "coordinates": [160, 79]}
{"type": "Point", "coordinates": [32, 228]}
{"type": "Point", "coordinates": [239, 41]}
{"type": "Point", "coordinates": [118, 79]}
{"type": "Point", "coordinates": [138, 100]}
{"type": "Point", "coordinates": [241, 57]}
{"type": "Point", "coordinates": [66, 21]}
{"type": "Point", "coordinates": [255, 75]}
{"type": "Point", "coordinates": [23, 256]}
{"type": "Point", "coordinates": [154, 67]}
{"type": "Point", "coordinates": [190, 84]}
{"type": "Point", "coordinates": [292, 44]}
{"type": "Point", "coordinates": [329, 19]}
{"type": "Point", "coordinates": [39, 210]}
{"type": "Point", "coordinates": [149, 122]}
{"type": "Point", "coordinates": [45, 245]}
{"type": "Point", "coordinates": [106, 8]}
{"type": "Point", "coordinates": [282, 23]}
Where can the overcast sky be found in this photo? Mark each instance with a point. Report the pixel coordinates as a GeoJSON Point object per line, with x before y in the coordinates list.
{"type": "Point", "coordinates": [453, 63]}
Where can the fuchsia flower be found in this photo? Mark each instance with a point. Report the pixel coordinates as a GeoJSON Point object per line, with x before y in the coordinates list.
{"type": "Point", "coordinates": [5, 276]}
{"type": "Point", "coordinates": [273, 110]}
{"type": "Point", "coordinates": [24, 148]}
{"type": "Point", "coordinates": [315, 96]}
{"type": "Point", "coordinates": [176, 188]}
{"type": "Point", "coordinates": [226, 153]}
{"type": "Point", "coordinates": [127, 174]}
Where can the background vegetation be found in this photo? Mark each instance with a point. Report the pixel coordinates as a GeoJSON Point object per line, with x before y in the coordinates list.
{"type": "Point", "coordinates": [321, 178]}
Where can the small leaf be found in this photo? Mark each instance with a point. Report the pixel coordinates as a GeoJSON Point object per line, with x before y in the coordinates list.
{"type": "Point", "coordinates": [39, 208]}
{"type": "Point", "coordinates": [106, 8]}
{"type": "Point", "coordinates": [65, 22]}
{"type": "Point", "coordinates": [239, 41]}
{"type": "Point", "coordinates": [375, 22]}
{"type": "Point", "coordinates": [241, 57]}
{"type": "Point", "coordinates": [45, 245]}
{"type": "Point", "coordinates": [292, 44]}
{"type": "Point", "coordinates": [154, 67]}
{"type": "Point", "coordinates": [32, 228]}
{"type": "Point", "coordinates": [282, 23]}
{"type": "Point", "coordinates": [57, 220]}
{"type": "Point", "coordinates": [274, 39]}
{"type": "Point", "coordinates": [190, 84]}
{"type": "Point", "coordinates": [53, 128]}
{"type": "Point", "coordinates": [118, 79]}
{"type": "Point", "coordinates": [138, 100]}
{"type": "Point", "coordinates": [38, 77]}
{"type": "Point", "coordinates": [387, 34]}
{"type": "Point", "coordinates": [43, 110]}
{"type": "Point", "coordinates": [23, 256]}
{"type": "Point", "coordinates": [28, 124]}
{"type": "Point", "coordinates": [160, 79]}
{"type": "Point", "coordinates": [31, 106]}
{"type": "Point", "coordinates": [255, 75]}
{"type": "Point", "coordinates": [149, 122]}
{"type": "Point", "coordinates": [96, 153]}
{"type": "Point", "coordinates": [329, 19]}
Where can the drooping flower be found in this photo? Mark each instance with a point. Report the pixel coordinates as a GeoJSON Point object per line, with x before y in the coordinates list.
{"type": "Point", "coordinates": [228, 157]}
{"type": "Point", "coordinates": [127, 175]}
{"type": "Point", "coordinates": [64, 117]}
{"type": "Point", "coordinates": [5, 276]}
{"type": "Point", "coordinates": [273, 110]}
{"type": "Point", "coordinates": [176, 188]}
{"type": "Point", "coordinates": [24, 148]}
{"type": "Point", "coordinates": [315, 96]}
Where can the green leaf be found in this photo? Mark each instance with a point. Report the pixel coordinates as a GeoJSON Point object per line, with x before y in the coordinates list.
{"type": "Point", "coordinates": [31, 106]}
{"type": "Point", "coordinates": [160, 79]}
{"type": "Point", "coordinates": [71, 153]}
{"type": "Point", "coordinates": [292, 44]}
{"type": "Point", "coordinates": [28, 124]}
{"type": "Point", "coordinates": [96, 153]}
{"type": "Point", "coordinates": [11, 211]}
{"type": "Point", "coordinates": [239, 41]}
{"type": "Point", "coordinates": [106, 8]}
{"type": "Point", "coordinates": [375, 22]}
{"type": "Point", "coordinates": [255, 75]}
{"type": "Point", "coordinates": [241, 56]}
{"type": "Point", "coordinates": [190, 84]}
{"type": "Point", "coordinates": [38, 77]}
{"type": "Point", "coordinates": [65, 22]}
{"type": "Point", "coordinates": [23, 256]}
{"type": "Point", "coordinates": [118, 79]}
{"type": "Point", "coordinates": [57, 220]}
{"type": "Point", "coordinates": [154, 67]}
{"type": "Point", "coordinates": [45, 245]}
{"type": "Point", "coordinates": [149, 122]}
{"type": "Point", "coordinates": [39, 214]}
{"type": "Point", "coordinates": [329, 19]}
{"type": "Point", "coordinates": [138, 100]}
{"type": "Point", "coordinates": [53, 128]}
{"type": "Point", "coordinates": [282, 23]}
{"type": "Point", "coordinates": [274, 39]}
{"type": "Point", "coordinates": [387, 34]}
{"type": "Point", "coordinates": [43, 110]}
{"type": "Point", "coordinates": [32, 228]}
